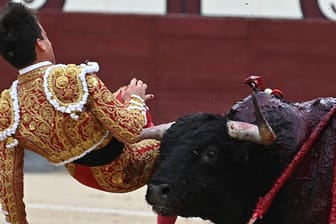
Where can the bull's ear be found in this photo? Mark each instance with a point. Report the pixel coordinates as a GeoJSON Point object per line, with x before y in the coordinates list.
{"type": "Point", "coordinates": [261, 133]}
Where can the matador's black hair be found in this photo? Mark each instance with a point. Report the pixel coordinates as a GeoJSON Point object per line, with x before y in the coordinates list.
{"type": "Point", "coordinates": [19, 30]}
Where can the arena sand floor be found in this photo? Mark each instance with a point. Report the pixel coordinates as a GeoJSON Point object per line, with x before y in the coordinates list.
{"type": "Point", "coordinates": [56, 198]}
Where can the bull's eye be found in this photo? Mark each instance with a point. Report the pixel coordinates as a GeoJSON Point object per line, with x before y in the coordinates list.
{"type": "Point", "coordinates": [210, 155]}
{"type": "Point", "coordinates": [240, 157]}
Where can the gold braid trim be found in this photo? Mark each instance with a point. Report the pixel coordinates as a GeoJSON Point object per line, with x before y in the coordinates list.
{"type": "Point", "coordinates": [124, 124]}
{"type": "Point", "coordinates": [11, 182]}
{"type": "Point", "coordinates": [71, 167]}
{"type": "Point", "coordinates": [9, 116]}
{"type": "Point", "coordinates": [6, 111]}
{"type": "Point", "coordinates": [131, 170]}
{"type": "Point", "coordinates": [32, 75]}
{"type": "Point", "coordinates": [66, 88]}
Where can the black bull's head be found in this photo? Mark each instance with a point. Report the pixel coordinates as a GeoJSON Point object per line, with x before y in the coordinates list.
{"type": "Point", "coordinates": [207, 170]}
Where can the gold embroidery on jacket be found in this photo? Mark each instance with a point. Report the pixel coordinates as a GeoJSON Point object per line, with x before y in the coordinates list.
{"type": "Point", "coordinates": [6, 111]}
{"type": "Point", "coordinates": [71, 167]}
{"type": "Point", "coordinates": [131, 170]}
{"type": "Point", "coordinates": [11, 182]}
{"type": "Point", "coordinates": [51, 133]}
{"type": "Point", "coordinates": [55, 135]}
{"type": "Point", "coordinates": [124, 124]}
{"type": "Point", "coordinates": [65, 85]}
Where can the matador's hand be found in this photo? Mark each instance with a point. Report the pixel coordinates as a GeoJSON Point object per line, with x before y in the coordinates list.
{"type": "Point", "coordinates": [137, 87]}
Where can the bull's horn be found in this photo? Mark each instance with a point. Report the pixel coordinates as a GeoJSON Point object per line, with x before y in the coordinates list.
{"type": "Point", "coordinates": [266, 133]}
{"type": "Point", "coordinates": [261, 133]}
{"type": "Point", "coordinates": [155, 132]}
{"type": "Point", "coordinates": [244, 131]}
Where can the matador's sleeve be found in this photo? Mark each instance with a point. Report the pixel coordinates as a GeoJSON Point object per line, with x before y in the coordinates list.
{"type": "Point", "coordinates": [11, 184]}
{"type": "Point", "coordinates": [124, 122]}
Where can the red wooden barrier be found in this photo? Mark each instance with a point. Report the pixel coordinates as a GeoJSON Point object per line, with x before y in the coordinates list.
{"type": "Point", "coordinates": [194, 63]}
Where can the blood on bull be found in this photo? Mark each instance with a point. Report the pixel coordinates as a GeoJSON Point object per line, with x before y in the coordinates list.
{"type": "Point", "coordinates": [218, 166]}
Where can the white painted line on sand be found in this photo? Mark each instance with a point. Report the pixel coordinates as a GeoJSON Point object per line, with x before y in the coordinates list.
{"type": "Point", "coordinates": [73, 208]}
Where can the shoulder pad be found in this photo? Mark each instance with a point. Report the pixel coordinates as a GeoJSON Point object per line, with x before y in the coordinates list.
{"type": "Point", "coordinates": [65, 86]}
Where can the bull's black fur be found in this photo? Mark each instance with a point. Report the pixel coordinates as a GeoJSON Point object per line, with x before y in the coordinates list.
{"type": "Point", "coordinates": [202, 172]}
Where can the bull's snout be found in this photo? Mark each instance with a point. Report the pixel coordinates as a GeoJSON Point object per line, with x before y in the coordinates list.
{"type": "Point", "coordinates": [160, 197]}
{"type": "Point", "coordinates": [158, 193]}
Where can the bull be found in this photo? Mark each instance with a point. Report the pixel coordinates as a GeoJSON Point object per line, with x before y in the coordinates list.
{"type": "Point", "coordinates": [217, 167]}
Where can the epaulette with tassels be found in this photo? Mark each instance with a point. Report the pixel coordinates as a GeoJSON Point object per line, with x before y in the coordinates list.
{"type": "Point", "coordinates": [66, 88]}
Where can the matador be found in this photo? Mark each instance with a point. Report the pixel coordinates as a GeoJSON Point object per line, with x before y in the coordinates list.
{"type": "Point", "coordinates": [66, 114]}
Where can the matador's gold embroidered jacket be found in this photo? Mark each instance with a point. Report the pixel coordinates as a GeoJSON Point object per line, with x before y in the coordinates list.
{"type": "Point", "coordinates": [60, 112]}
